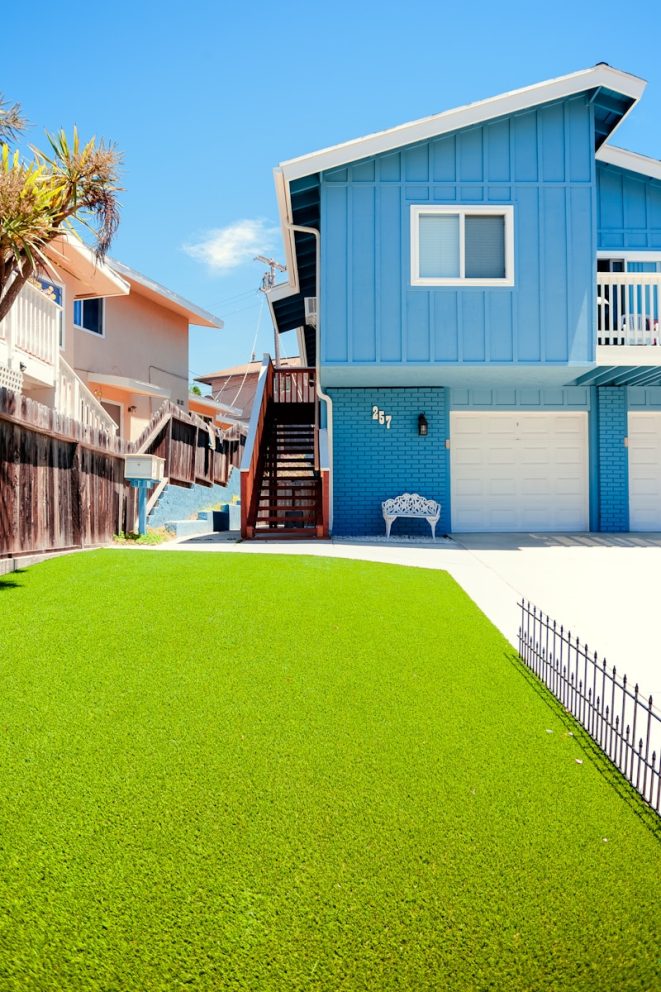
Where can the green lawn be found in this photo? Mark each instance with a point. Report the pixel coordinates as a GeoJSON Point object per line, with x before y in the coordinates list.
{"type": "Point", "coordinates": [224, 772]}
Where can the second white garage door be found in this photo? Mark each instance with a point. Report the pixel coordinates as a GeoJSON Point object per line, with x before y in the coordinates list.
{"type": "Point", "coordinates": [645, 471]}
{"type": "Point", "coordinates": [519, 471]}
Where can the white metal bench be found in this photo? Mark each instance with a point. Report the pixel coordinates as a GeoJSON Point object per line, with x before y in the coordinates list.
{"type": "Point", "coordinates": [413, 507]}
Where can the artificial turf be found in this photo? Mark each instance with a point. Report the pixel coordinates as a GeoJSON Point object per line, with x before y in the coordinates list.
{"type": "Point", "coordinates": [224, 772]}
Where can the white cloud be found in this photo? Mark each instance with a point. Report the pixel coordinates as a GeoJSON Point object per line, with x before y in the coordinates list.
{"type": "Point", "coordinates": [225, 248]}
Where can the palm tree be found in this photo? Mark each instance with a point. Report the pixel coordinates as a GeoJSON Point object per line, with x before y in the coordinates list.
{"type": "Point", "coordinates": [42, 199]}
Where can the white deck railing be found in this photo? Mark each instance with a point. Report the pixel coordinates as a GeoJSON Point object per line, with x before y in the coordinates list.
{"type": "Point", "coordinates": [32, 328]}
{"type": "Point", "coordinates": [33, 325]}
{"type": "Point", "coordinates": [74, 399]}
{"type": "Point", "coordinates": [628, 308]}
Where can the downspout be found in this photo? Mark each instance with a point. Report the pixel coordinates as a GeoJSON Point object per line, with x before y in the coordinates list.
{"type": "Point", "coordinates": [324, 397]}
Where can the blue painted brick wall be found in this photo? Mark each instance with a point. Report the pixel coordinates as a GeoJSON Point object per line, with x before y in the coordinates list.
{"type": "Point", "coordinates": [180, 503]}
{"type": "Point", "coordinates": [371, 463]}
{"type": "Point", "coordinates": [613, 459]}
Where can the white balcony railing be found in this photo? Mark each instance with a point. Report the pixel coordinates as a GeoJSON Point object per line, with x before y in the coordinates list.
{"type": "Point", "coordinates": [628, 308]}
{"type": "Point", "coordinates": [74, 399]}
{"type": "Point", "coordinates": [32, 326]}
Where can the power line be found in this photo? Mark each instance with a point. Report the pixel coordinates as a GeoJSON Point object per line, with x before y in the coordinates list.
{"type": "Point", "coordinates": [236, 296]}
{"type": "Point", "coordinates": [242, 310]}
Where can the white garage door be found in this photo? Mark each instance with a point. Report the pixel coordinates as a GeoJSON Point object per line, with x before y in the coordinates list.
{"type": "Point", "coordinates": [645, 471]}
{"type": "Point", "coordinates": [519, 471]}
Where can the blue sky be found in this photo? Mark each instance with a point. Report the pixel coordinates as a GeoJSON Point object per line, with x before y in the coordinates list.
{"type": "Point", "coordinates": [205, 98]}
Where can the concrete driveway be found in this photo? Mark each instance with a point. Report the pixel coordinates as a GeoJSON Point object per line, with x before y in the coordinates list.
{"type": "Point", "coordinates": [605, 588]}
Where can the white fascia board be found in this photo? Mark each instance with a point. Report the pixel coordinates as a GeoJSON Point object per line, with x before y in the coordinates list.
{"type": "Point", "coordinates": [291, 287]}
{"type": "Point", "coordinates": [193, 311]}
{"type": "Point", "coordinates": [624, 159]}
{"type": "Point", "coordinates": [126, 384]}
{"type": "Point", "coordinates": [207, 401]}
{"type": "Point", "coordinates": [460, 117]}
{"type": "Point", "coordinates": [279, 292]}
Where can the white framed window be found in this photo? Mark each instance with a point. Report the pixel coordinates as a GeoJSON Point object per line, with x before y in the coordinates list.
{"type": "Point", "coordinates": [88, 315]}
{"type": "Point", "coordinates": [462, 246]}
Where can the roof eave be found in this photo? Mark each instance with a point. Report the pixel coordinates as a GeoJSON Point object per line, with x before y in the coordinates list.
{"type": "Point", "coordinates": [169, 299]}
{"type": "Point", "coordinates": [94, 277]}
{"type": "Point", "coordinates": [460, 117]}
{"type": "Point", "coordinates": [632, 161]}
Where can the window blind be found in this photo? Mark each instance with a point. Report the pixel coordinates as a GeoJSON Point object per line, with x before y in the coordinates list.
{"type": "Point", "coordinates": [439, 246]}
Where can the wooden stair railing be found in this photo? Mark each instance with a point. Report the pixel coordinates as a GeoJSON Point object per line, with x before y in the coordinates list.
{"type": "Point", "coordinates": [253, 454]}
{"type": "Point", "coordinates": [284, 486]}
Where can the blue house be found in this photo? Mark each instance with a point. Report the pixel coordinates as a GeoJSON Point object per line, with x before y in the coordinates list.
{"type": "Point", "coordinates": [490, 274]}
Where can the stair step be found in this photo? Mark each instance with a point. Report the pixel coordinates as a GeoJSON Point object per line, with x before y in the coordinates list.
{"type": "Point", "coordinates": [283, 509]}
{"type": "Point", "coordinates": [287, 456]}
{"type": "Point", "coordinates": [285, 499]}
{"type": "Point", "coordinates": [293, 446]}
{"type": "Point", "coordinates": [301, 478]}
{"type": "Point", "coordinates": [264, 523]}
{"type": "Point", "coordinates": [295, 480]}
{"type": "Point", "coordinates": [288, 498]}
{"type": "Point", "coordinates": [299, 533]}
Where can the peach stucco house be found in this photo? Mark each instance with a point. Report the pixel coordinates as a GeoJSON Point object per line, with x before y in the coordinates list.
{"type": "Point", "coordinates": [140, 357]}
{"type": "Point", "coordinates": [100, 342]}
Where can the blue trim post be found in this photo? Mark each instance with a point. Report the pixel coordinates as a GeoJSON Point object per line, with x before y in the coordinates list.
{"type": "Point", "coordinates": [143, 485]}
{"type": "Point", "coordinates": [613, 459]}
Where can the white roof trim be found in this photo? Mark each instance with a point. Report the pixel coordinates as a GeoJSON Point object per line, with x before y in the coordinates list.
{"type": "Point", "coordinates": [167, 294]}
{"type": "Point", "coordinates": [632, 161]}
{"type": "Point", "coordinates": [212, 404]}
{"type": "Point", "coordinates": [461, 117]}
{"type": "Point", "coordinates": [129, 385]}
{"type": "Point", "coordinates": [96, 278]}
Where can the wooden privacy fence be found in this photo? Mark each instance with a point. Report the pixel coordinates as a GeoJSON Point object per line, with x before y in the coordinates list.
{"type": "Point", "coordinates": [62, 485]}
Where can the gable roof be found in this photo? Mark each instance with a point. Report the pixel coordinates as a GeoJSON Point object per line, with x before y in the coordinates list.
{"type": "Point", "coordinates": [165, 297]}
{"type": "Point", "coordinates": [600, 76]}
{"type": "Point", "coordinates": [614, 93]}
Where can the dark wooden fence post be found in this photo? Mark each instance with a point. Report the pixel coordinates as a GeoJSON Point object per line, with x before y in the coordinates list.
{"type": "Point", "coordinates": [76, 497]}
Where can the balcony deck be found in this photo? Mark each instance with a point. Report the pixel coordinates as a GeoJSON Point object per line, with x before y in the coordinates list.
{"type": "Point", "coordinates": [628, 311]}
{"type": "Point", "coordinates": [30, 353]}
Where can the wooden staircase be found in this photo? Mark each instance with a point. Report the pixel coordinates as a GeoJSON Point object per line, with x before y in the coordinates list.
{"type": "Point", "coordinates": [282, 484]}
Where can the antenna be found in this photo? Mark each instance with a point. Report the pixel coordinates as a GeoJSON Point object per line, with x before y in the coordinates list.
{"type": "Point", "coordinates": [268, 279]}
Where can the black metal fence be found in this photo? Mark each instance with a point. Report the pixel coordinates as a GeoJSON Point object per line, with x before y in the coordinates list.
{"type": "Point", "coordinates": [618, 719]}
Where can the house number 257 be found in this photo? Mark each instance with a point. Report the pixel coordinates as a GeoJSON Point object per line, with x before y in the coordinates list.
{"type": "Point", "coordinates": [381, 417]}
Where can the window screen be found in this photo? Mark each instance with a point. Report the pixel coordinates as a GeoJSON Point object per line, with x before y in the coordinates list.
{"type": "Point", "coordinates": [484, 247]}
{"type": "Point", "coordinates": [439, 246]}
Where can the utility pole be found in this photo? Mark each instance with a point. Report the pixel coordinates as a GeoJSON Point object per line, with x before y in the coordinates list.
{"type": "Point", "coordinates": [268, 282]}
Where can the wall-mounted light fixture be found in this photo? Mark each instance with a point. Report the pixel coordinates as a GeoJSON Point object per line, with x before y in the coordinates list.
{"type": "Point", "coordinates": [132, 409]}
{"type": "Point", "coordinates": [422, 425]}
{"type": "Point", "coordinates": [22, 367]}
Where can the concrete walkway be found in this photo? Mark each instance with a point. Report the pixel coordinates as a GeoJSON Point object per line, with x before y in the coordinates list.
{"type": "Point", "coordinates": [605, 588]}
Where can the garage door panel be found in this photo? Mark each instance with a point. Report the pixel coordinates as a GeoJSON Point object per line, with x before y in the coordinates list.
{"type": "Point", "coordinates": [643, 487]}
{"type": "Point", "coordinates": [501, 487]}
{"type": "Point", "coordinates": [519, 471]}
{"type": "Point", "coordinates": [469, 487]}
{"type": "Point", "coordinates": [499, 456]}
{"type": "Point", "coordinates": [531, 456]}
{"type": "Point", "coordinates": [645, 471]}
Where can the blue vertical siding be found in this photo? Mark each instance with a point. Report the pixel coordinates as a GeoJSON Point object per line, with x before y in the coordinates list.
{"type": "Point", "coordinates": [371, 463]}
{"type": "Point", "coordinates": [628, 209]}
{"type": "Point", "coordinates": [613, 459]}
{"type": "Point", "coordinates": [542, 162]}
